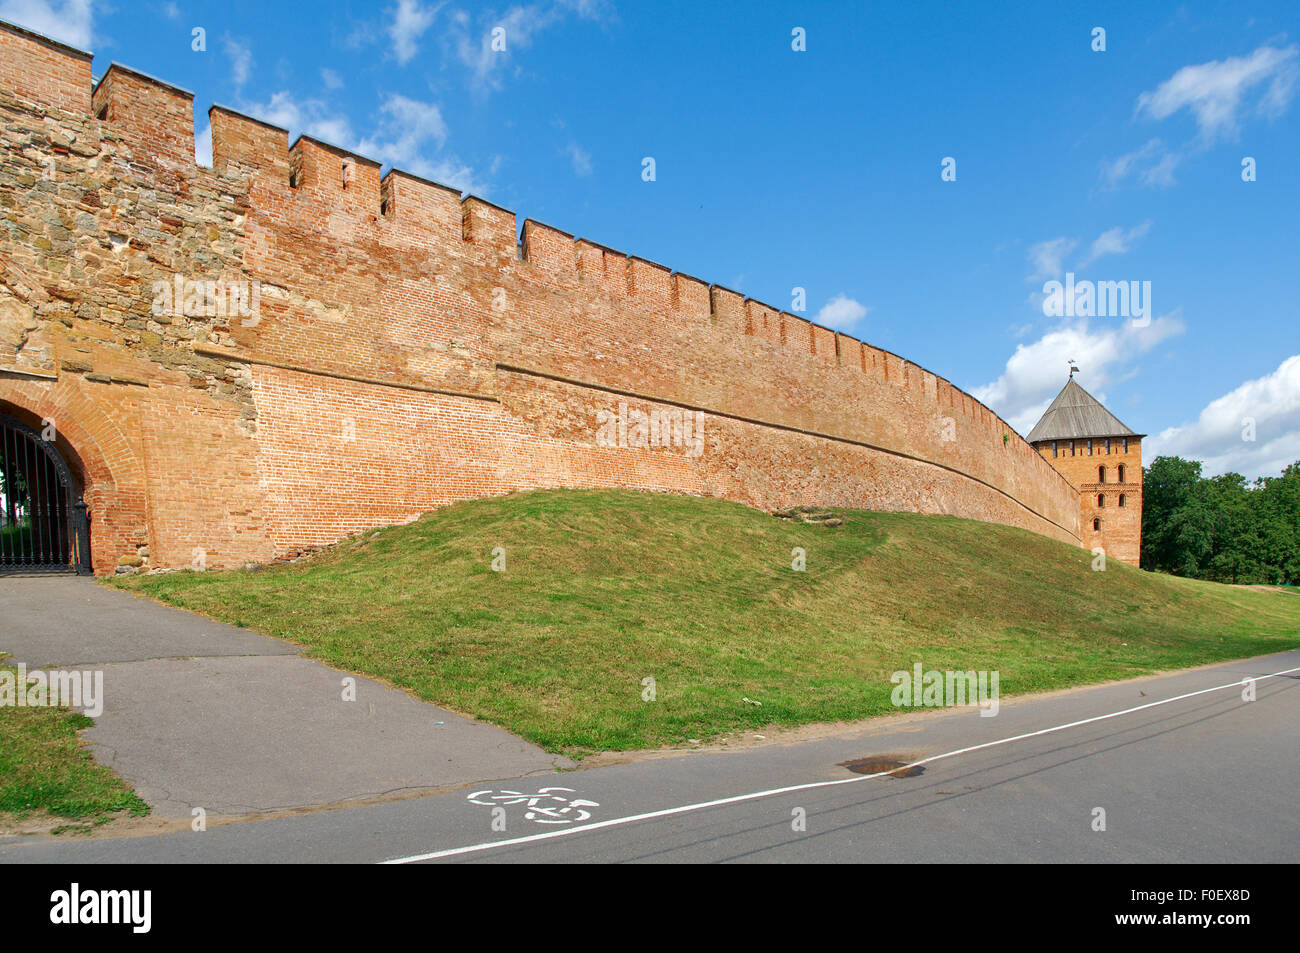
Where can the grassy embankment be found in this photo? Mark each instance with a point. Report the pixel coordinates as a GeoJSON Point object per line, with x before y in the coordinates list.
{"type": "Point", "coordinates": [604, 589]}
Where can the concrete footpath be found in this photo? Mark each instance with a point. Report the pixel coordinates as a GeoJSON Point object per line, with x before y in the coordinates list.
{"type": "Point", "coordinates": [201, 714]}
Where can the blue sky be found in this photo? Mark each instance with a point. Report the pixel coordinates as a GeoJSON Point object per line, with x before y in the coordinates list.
{"type": "Point", "coordinates": [821, 168]}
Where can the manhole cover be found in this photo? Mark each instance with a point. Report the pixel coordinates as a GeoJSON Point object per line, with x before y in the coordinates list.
{"type": "Point", "coordinates": [882, 764]}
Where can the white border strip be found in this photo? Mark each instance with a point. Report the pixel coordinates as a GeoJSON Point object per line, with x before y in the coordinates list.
{"type": "Point", "coordinates": [668, 812]}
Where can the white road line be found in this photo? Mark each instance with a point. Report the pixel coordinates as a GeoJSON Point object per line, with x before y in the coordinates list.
{"type": "Point", "coordinates": [702, 805]}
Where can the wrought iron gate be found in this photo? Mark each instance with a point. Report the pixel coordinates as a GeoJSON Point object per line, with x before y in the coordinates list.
{"type": "Point", "coordinates": [43, 522]}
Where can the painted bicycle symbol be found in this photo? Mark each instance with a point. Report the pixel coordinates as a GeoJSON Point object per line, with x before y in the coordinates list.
{"type": "Point", "coordinates": [547, 806]}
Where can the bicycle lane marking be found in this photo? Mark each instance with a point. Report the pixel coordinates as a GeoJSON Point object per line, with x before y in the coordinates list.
{"type": "Point", "coordinates": [774, 792]}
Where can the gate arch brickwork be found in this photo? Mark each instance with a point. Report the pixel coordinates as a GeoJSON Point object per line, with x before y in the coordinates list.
{"type": "Point", "coordinates": [96, 449]}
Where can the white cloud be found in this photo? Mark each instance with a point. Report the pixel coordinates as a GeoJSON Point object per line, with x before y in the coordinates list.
{"type": "Point", "coordinates": [475, 49]}
{"type": "Point", "coordinates": [406, 128]}
{"type": "Point", "coordinates": [203, 146]}
{"type": "Point", "coordinates": [410, 22]}
{"type": "Point", "coordinates": [449, 171]}
{"type": "Point", "coordinates": [842, 313]}
{"type": "Point", "coordinates": [589, 9]}
{"type": "Point", "coordinates": [580, 158]}
{"type": "Point", "coordinates": [473, 41]}
{"type": "Point", "coordinates": [1153, 164]}
{"type": "Point", "coordinates": [171, 11]}
{"type": "Point", "coordinates": [1047, 257]}
{"type": "Point", "coordinates": [331, 79]}
{"type": "Point", "coordinates": [1214, 92]}
{"type": "Point", "coordinates": [408, 135]}
{"type": "Point", "coordinates": [241, 60]}
{"type": "Point", "coordinates": [1113, 241]}
{"type": "Point", "coordinates": [1105, 352]}
{"type": "Point", "coordinates": [1216, 438]}
{"type": "Point", "coordinates": [1218, 95]}
{"type": "Point", "coordinates": [71, 21]}
{"type": "Point", "coordinates": [1118, 169]}
{"type": "Point", "coordinates": [309, 116]}
{"type": "Point", "coordinates": [1161, 175]}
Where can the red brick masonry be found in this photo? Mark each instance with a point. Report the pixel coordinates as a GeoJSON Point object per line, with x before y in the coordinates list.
{"type": "Point", "coordinates": [409, 349]}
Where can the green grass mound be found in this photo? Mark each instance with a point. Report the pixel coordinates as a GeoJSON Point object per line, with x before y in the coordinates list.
{"type": "Point", "coordinates": [604, 589]}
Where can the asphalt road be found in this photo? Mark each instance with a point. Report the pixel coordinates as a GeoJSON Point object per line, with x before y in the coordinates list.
{"type": "Point", "coordinates": [1206, 778]}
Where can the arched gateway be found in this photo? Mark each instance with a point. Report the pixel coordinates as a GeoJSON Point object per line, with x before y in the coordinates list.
{"type": "Point", "coordinates": [43, 522]}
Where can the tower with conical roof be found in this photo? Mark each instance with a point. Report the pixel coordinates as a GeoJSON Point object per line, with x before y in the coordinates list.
{"type": "Point", "coordinates": [1102, 458]}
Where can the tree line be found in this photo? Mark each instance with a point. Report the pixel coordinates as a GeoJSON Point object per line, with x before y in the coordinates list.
{"type": "Point", "coordinates": [1221, 528]}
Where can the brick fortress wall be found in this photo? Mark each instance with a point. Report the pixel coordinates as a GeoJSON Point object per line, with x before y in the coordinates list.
{"type": "Point", "coordinates": [411, 347]}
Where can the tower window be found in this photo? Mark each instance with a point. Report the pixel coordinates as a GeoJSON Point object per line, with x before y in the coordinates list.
{"type": "Point", "coordinates": [1126, 444]}
{"type": "Point", "coordinates": [1096, 525]}
{"type": "Point", "coordinates": [1108, 446]}
{"type": "Point", "coordinates": [1101, 474]}
{"type": "Point", "coordinates": [1101, 499]}
{"type": "Point", "coordinates": [1053, 448]}
{"type": "Point", "coordinates": [1071, 448]}
{"type": "Point", "coordinates": [1121, 499]}
{"type": "Point", "coordinates": [1121, 473]}
{"type": "Point", "coordinates": [1089, 448]}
